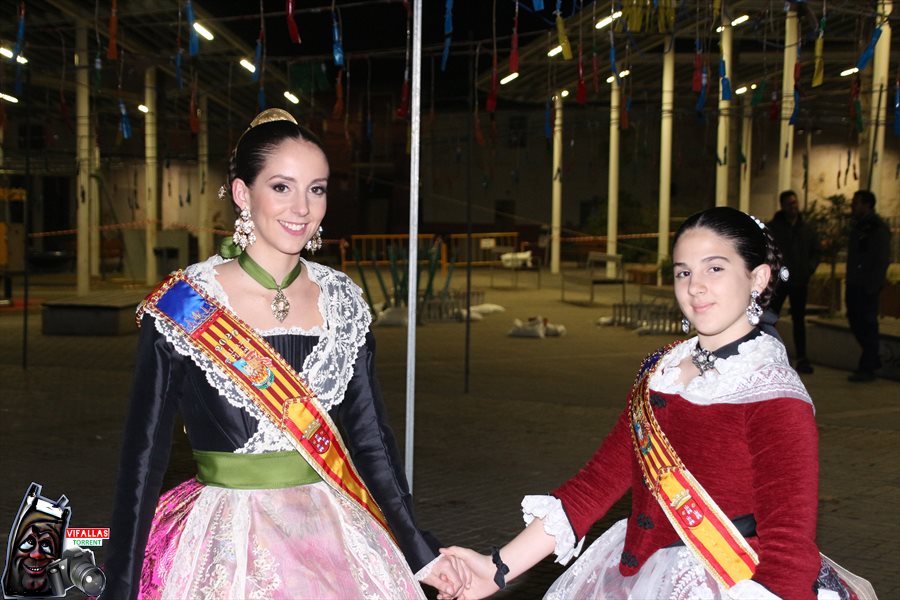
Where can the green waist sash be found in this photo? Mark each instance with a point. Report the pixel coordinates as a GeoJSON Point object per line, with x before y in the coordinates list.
{"type": "Point", "coordinates": [253, 471]}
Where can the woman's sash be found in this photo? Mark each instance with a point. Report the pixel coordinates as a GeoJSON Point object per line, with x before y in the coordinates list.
{"type": "Point", "coordinates": [702, 525]}
{"type": "Point", "coordinates": [266, 377]}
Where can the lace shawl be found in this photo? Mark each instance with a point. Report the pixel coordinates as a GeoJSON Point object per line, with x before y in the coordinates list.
{"type": "Point", "coordinates": [327, 369]}
{"type": "Point", "coordinates": [759, 371]}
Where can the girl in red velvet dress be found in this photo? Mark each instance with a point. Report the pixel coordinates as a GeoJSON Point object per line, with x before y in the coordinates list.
{"type": "Point", "coordinates": [742, 423]}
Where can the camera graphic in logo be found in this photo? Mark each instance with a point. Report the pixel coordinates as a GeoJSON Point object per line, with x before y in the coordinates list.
{"type": "Point", "coordinates": [40, 561]}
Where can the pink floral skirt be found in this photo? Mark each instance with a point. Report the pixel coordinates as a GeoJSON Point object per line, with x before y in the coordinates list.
{"type": "Point", "coordinates": [297, 542]}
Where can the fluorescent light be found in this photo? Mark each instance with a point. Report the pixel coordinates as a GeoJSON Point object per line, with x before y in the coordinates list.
{"type": "Point", "coordinates": [849, 71]}
{"type": "Point", "coordinates": [291, 97]}
{"type": "Point", "coordinates": [564, 93]}
{"type": "Point", "coordinates": [248, 65]}
{"type": "Point", "coordinates": [608, 20]}
{"type": "Point", "coordinates": [8, 98]}
{"type": "Point", "coordinates": [622, 74]}
{"type": "Point", "coordinates": [752, 86]}
{"type": "Point", "coordinates": [509, 78]}
{"type": "Point", "coordinates": [555, 51]}
{"type": "Point", "coordinates": [203, 31]}
{"type": "Point", "coordinates": [143, 108]}
{"type": "Point", "coordinates": [735, 23]}
{"type": "Point", "coordinates": [741, 90]}
{"type": "Point", "coordinates": [8, 54]}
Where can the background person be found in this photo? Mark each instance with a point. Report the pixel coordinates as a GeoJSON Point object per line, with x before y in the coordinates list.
{"type": "Point", "coordinates": [868, 257]}
{"type": "Point", "coordinates": [800, 248]}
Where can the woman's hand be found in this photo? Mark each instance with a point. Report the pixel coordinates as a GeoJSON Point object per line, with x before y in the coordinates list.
{"type": "Point", "coordinates": [481, 573]}
{"type": "Point", "coordinates": [449, 576]}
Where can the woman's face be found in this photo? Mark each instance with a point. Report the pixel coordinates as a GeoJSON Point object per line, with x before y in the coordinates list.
{"type": "Point", "coordinates": [712, 286]}
{"type": "Point", "coordinates": [288, 199]}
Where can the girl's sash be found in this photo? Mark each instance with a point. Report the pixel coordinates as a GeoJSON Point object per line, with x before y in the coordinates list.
{"type": "Point", "coordinates": [702, 525]}
{"type": "Point", "coordinates": [266, 377]}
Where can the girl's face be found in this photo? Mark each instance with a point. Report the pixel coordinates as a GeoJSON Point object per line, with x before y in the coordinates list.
{"type": "Point", "coordinates": [288, 199]}
{"type": "Point", "coordinates": [712, 286]}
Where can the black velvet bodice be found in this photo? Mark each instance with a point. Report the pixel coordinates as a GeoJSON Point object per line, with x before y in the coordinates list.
{"type": "Point", "coordinates": [167, 382]}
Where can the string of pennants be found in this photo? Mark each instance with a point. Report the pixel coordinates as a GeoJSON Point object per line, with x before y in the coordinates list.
{"type": "Point", "coordinates": [635, 17]}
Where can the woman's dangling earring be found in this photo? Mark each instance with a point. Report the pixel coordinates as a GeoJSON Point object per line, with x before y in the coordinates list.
{"type": "Point", "coordinates": [243, 230]}
{"type": "Point", "coordinates": [315, 242]}
{"type": "Point", "coordinates": [754, 311]}
{"type": "Point", "coordinates": [685, 325]}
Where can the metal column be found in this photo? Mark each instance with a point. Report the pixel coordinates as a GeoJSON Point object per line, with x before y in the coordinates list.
{"type": "Point", "coordinates": [746, 150]}
{"type": "Point", "coordinates": [83, 161]}
{"type": "Point", "coordinates": [665, 154]}
{"type": "Point", "coordinates": [556, 207]}
{"type": "Point", "coordinates": [881, 97]}
{"type": "Point", "coordinates": [724, 127]}
{"type": "Point", "coordinates": [204, 233]}
{"type": "Point", "coordinates": [151, 203]}
{"type": "Point", "coordinates": [612, 215]}
{"type": "Point", "coordinates": [786, 138]}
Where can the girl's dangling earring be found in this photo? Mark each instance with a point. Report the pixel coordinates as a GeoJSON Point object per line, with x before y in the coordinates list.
{"type": "Point", "coordinates": [315, 242]}
{"type": "Point", "coordinates": [243, 230]}
{"type": "Point", "coordinates": [754, 311]}
{"type": "Point", "coordinates": [685, 325]}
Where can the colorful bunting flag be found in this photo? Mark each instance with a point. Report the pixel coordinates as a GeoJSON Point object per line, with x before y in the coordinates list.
{"type": "Point", "coordinates": [337, 45]}
{"type": "Point", "coordinates": [561, 32]}
{"type": "Point", "coordinates": [124, 123]}
{"type": "Point", "coordinates": [869, 52]}
{"type": "Point", "coordinates": [111, 51]}
{"type": "Point", "coordinates": [293, 32]}
{"type": "Point", "coordinates": [819, 52]}
{"type": "Point", "coordinates": [448, 32]}
{"type": "Point", "coordinates": [194, 41]}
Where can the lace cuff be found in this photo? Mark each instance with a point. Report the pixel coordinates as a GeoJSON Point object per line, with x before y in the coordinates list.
{"type": "Point", "coordinates": [426, 570]}
{"type": "Point", "coordinates": [556, 523]}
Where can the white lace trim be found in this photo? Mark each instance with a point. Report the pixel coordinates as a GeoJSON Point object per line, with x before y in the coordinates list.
{"type": "Point", "coordinates": [327, 369]}
{"type": "Point", "coordinates": [759, 371]}
{"type": "Point", "coordinates": [550, 510]}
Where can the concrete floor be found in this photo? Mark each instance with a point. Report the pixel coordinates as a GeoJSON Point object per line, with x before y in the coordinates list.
{"type": "Point", "coordinates": [535, 411]}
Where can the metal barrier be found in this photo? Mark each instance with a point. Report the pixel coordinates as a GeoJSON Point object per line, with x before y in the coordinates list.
{"type": "Point", "coordinates": [486, 247]}
{"type": "Point", "coordinates": [375, 249]}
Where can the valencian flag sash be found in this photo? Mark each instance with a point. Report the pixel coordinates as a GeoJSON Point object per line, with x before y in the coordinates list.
{"type": "Point", "coordinates": [266, 377]}
{"type": "Point", "coordinates": [702, 525]}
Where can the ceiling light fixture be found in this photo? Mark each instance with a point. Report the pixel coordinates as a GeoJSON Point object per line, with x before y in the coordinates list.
{"type": "Point", "coordinates": [203, 31]}
{"type": "Point", "coordinates": [291, 97]}
{"type": "Point", "coordinates": [143, 108]}
{"type": "Point", "coordinates": [509, 78]}
{"type": "Point", "coordinates": [8, 54]}
{"type": "Point", "coordinates": [248, 65]}
{"type": "Point", "coordinates": [849, 71]}
{"type": "Point", "coordinates": [606, 21]}
{"type": "Point", "coordinates": [741, 90]}
{"type": "Point", "coordinates": [564, 93]}
{"type": "Point", "coordinates": [622, 74]}
{"type": "Point", "coordinates": [735, 23]}
{"type": "Point", "coordinates": [555, 51]}
{"type": "Point", "coordinates": [9, 98]}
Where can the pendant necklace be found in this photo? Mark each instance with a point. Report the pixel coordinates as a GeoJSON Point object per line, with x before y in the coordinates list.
{"type": "Point", "coordinates": [705, 360]}
{"type": "Point", "coordinates": [280, 304]}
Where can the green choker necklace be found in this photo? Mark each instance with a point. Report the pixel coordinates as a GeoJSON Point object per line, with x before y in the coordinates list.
{"type": "Point", "coordinates": [280, 304]}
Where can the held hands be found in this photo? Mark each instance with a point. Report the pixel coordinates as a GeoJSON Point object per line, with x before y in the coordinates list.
{"type": "Point", "coordinates": [481, 571]}
{"type": "Point", "coordinates": [449, 576]}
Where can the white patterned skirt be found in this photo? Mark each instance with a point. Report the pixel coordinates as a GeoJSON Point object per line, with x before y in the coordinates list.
{"type": "Point", "coordinates": [670, 573]}
{"type": "Point", "coordinates": [298, 542]}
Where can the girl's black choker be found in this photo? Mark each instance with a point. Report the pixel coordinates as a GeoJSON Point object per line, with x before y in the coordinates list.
{"type": "Point", "coordinates": [705, 360]}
